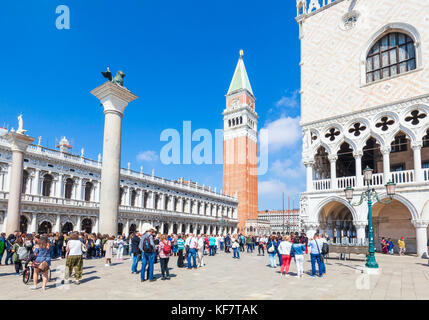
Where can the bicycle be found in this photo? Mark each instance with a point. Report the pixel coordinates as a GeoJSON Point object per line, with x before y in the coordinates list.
{"type": "Point", "coordinates": [28, 273]}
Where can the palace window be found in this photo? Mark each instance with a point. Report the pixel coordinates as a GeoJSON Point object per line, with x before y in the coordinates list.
{"type": "Point", "coordinates": [47, 184]}
{"type": "Point", "coordinates": [88, 190]}
{"type": "Point", "coordinates": [24, 181]}
{"type": "Point", "coordinates": [69, 188]}
{"type": "Point", "coordinates": [391, 55]}
{"type": "Point", "coordinates": [426, 140]}
{"type": "Point", "coordinates": [400, 144]}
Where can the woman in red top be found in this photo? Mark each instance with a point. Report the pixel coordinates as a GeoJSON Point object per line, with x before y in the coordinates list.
{"type": "Point", "coordinates": [164, 256]}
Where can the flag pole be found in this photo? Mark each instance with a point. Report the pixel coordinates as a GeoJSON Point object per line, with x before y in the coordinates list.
{"type": "Point", "coordinates": [283, 197]}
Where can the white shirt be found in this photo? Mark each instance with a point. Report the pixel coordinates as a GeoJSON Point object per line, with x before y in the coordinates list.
{"type": "Point", "coordinates": [75, 247]}
{"type": "Point", "coordinates": [201, 243]}
{"type": "Point", "coordinates": [191, 242]}
{"type": "Point", "coordinates": [284, 247]}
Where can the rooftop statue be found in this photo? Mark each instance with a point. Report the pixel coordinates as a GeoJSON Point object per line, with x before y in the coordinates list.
{"type": "Point", "coordinates": [118, 79]}
{"type": "Point", "coordinates": [20, 125]}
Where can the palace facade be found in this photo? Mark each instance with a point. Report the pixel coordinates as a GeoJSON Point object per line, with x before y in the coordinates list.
{"type": "Point", "coordinates": [61, 193]}
{"type": "Point", "coordinates": [365, 103]}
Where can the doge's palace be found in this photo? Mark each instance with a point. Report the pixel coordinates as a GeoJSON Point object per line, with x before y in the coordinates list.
{"type": "Point", "coordinates": [365, 103]}
{"type": "Point", "coordinates": [61, 193]}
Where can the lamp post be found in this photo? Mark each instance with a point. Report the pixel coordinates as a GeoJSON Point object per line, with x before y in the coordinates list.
{"type": "Point", "coordinates": [371, 196]}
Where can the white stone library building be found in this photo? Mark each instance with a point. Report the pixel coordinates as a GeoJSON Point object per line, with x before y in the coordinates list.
{"type": "Point", "coordinates": [365, 103]}
{"type": "Point", "coordinates": [61, 193]}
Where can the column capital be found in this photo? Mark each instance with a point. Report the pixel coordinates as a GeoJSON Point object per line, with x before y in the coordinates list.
{"type": "Point", "coordinates": [308, 162]}
{"type": "Point", "coordinates": [420, 223]}
{"type": "Point", "coordinates": [18, 141]}
{"type": "Point", "coordinates": [358, 154]}
{"type": "Point", "coordinates": [385, 149]}
{"type": "Point", "coordinates": [113, 97]}
{"type": "Point", "coordinates": [417, 145]}
{"type": "Point", "coordinates": [332, 157]}
{"type": "Point", "coordinates": [360, 224]}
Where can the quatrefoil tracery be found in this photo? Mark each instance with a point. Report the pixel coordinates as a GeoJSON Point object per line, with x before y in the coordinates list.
{"type": "Point", "coordinates": [332, 133]}
{"type": "Point", "coordinates": [385, 123]}
{"type": "Point", "coordinates": [357, 129]}
{"type": "Point", "coordinates": [415, 117]}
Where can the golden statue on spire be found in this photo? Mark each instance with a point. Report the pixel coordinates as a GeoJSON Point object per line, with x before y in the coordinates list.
{"type": "Point", "coordinates": [241, 52]}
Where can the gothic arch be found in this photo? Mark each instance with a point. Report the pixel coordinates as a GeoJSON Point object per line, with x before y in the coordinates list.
{"type": "Point", "coordinates": [405, 202]}
{"type": "Point", "coordinates": [408, 132]}
{"type": "Point", "coordinates": [425, 211]}
{"type": "Point", "coordinates": [335, 199]}
{"type": "Point", "coordinates": [388, 28]}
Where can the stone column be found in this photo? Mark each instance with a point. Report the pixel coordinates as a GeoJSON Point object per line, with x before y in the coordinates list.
{"type": "Point", "coordinates": [386, 163]}
{"type": "Point", "coordinates": [417, 156]}
{"type": "Point", "coordinates": [78, 195]}
{"type": "Point", "coordinates": [33, 223]}
{"type": "Point", "coordinates": [126, 230]}
{"type": "Point", "coordinates": [18, 144]}
{"type": "Point", "coordinates": [57, 226]}
{"type": "Point", "coordinates": [358, 160]}
{"type": "Point", "coordinates": [96, 226]}
{"type": "Point", "coordinates": [114, 99]}
{"type": "Point", "coordinates": [152, 200]}
{"type": "Point", "coordinates": [333, 161]}
{"type": "Point", "coordinates": [78, 224]}
{"type": "Point", "coordinates": [59, 187]}
{"type": "Point", "coordinates": [421, 237]}
{"type": "Point", "coordinates": [187, 230]}
{"type": "Point", "coordinates": [36, 181]}
{"type": "Point", "coordinates": [170, 227]}
{"type": "Point", "coordinates": [360, 231]}
{"type": "Point", "coordinates": [309, 174]}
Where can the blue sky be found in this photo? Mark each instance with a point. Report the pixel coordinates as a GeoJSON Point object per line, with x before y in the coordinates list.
{"type": "Point", "coordinates": [179, 58]}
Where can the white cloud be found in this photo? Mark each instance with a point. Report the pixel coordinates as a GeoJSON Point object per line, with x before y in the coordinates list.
{"type": "Point", "coordinates": [270, 188]}
{"type": "Point", "coordinates": [147, 156]}
{"type": "Point", "coordinates": [286, 169]}
{"type": "Point", "coordinates": [283, 132]}
{"type": "Point", "coordinates": [289, 101]}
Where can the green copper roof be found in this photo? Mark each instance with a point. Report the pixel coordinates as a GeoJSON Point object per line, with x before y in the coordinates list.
{"type": "Point", "coordinates": [240, 80]}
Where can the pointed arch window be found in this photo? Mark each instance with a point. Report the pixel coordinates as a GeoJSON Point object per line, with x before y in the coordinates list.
{"type": "Point", "coordinates": [392, 54]}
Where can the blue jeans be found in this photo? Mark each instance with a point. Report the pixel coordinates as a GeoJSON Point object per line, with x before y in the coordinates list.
{"type": "Point", "coordinates": [136, 259]}
{"type": "Point", "coordinates": [323, 266]}
{"type": "Point", "coordinates": [272, 257]}
{"type": "Point", "coordinates": [280, 259]}
{"type": "Point", "coordinates": [221, 246]}
{"type": "Point", "coordinates": [192, 253]}
{"type": "Point", "coordinates": [211, 250]}
{"type": "Point", "coordinates": [236, 252]}
{"type": "Point", "coordinates": [98, 251]}
{"type": "Point", "coordinates": [314, 258]}
{"type": "Point", "coordinates": [8, 257]}
{"type": "Point", "coordinates": [250, 247]}
{"type": "Point", "coordinates": [147, 258]}
{"type": "Point", "coordinates": [59, 251]}
{"type": "Point", "coordinates": [1, 255]}
{"type": "Point", "coordinates": [215, 249]}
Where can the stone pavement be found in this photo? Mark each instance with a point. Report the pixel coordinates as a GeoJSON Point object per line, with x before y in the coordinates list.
{"type": "Point", "coordinates": [226, 278]}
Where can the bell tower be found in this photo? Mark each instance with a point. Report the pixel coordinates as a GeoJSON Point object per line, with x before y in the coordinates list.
{"type": "Point", "coordinates": [240, 145]}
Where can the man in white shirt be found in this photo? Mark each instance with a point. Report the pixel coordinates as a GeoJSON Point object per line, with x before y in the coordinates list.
{"type": "Point", "coordinates": [191, 243]}
{"type": "Point", "coordinates": [200, 251]}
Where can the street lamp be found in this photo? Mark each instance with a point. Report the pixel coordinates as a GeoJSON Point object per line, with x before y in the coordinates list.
{"type": "Point", "coordinates": [371, 196]}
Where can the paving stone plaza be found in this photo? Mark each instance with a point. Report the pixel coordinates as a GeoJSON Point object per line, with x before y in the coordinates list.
{"type": "Point", "coordinates": [224, 278]}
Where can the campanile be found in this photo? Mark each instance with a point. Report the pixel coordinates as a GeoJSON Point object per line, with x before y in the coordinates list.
{"type": "Point", "coordinates": [240, 145]}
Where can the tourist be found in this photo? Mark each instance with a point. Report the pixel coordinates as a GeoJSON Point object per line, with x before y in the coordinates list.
{"type": "Point", "coordinates": [164, 256]}
{"type": "Point", "coordinates": [227, 243]}
{"type": "Point", "coordinates": [135, 250]}
{"type": "Point", "coordinates": [235, 246]}
{"type": "Point", "coordinates": [19, 254]}
{"type": "Point", "coordinates": [272, 251]}
{"type": "Point", "coordinates": [120, 245]}
{"type": "Point", "coordinates": [104, 239]}
{"type": "Point", "coordinates": [174, 248]}
{"type": "Point", "coordinates": [241, 241]}
{"type": "Point", "coordinates": [200, 250]}
{"type": "Point", "coordinates": [390, 245]}
{"type": "Point", "coordinates": [41, 262]}
{"type": "Point", "coordinates": [191, 245]}
{"type": "Point", "coordinates": [278, 240]}
{"type": "Point", "coordinates": [221, 243]}
{"type": "Point", "coordinates": [9, 243]}
{"type": "Point", "coordinates": [74, 259]}
{"type": "Point", "coordinates": [180, 248]}
{"type": "Point", "coordinates": [108, 249]}
{"type": "Point", "coordinates": [384, 245]}
{"type": "Point", "coordinates": [297, 251]}
{"type": "Point", "coordinates": [261, 246]}
{"type": "Point", "coordinates": [315, 246]}
{"type": "Point", "coordinates": [212, 244]}
{"type": "Point", "coordinates": [98, 246]}
{"type": "Point", "coordinates": [2, 245]}
{"type": "Point", "coordinates": [285, 250]}
{"type": "Point", "coordinates": [401, 246]}
{"type": "Point", "coordinates": [147, 247]}
{"type": "Point", "coordinates": [249, 241]}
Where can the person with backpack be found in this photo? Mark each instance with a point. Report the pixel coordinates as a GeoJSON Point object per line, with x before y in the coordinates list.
{"type": "Point", "coordinates": [147, 247]}
{"type": "Point", "coordinates": [272, 251]}
{"type": "Point", "coordinates": [164, 256]}
{"type": "Point", "coordinates": [135, 250]}
{"type": "Point", "coordinates": [315, 246]}
{"type": "Point", "coordinates": [19, 254]}
{"type": "Point", "coordinates": [191, 246]}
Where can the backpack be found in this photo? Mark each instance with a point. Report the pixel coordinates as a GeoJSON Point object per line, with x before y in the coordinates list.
{"type": "Point", "coordinates": [167, 248]}
{"type": "Point", "coordinates": [22, 253]}
{"type": "Point", "coordinates": [147, 247]}
{"type": "Point", "coordinates": [325, 248]}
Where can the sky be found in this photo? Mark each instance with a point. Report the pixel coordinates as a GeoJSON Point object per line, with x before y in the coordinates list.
{"type": "Point", "coordinates": [179, 58]}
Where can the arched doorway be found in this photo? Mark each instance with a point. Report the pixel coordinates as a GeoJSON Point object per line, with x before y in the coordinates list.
{"type": "Point", "coordinates": [120, 228]}
{"type": "Point", "coordinates": [67, 227]}
{"type": "Point", "coordinates": [44, 227]}
{"type": "Point", "coordinates": [393, 221]}
{"type": "Point", "coordinates": [86, 225]}
{"type": "Point", "coordinates": [336, 220]}
{"type": "Point", "coordinates": [133, 228]}
{"type": "Point", "coordinates": [23, 224]}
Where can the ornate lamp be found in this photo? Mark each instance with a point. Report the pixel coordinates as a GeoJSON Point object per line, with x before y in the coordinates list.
{"type": "Point", "coordinates": [390, 189]}
{"type": "Point", "coordinates": [349, 193]}
{"type": "Point", "coordinates": [367, 174]}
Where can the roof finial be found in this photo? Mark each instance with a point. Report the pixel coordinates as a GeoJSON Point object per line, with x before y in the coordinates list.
{"type": "Point", "coordinates": [241, 53]}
